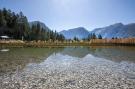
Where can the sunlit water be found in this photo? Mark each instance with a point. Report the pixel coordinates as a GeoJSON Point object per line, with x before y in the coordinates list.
{"type": "Point", "coordinates": [68, 68]}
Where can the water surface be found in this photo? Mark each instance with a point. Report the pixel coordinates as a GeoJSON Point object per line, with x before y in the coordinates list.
{"type": "Point", "coordinates": [68, 68]}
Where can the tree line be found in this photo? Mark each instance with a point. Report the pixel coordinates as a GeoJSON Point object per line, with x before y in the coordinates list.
{"type": "Point", "coordinates": [16, 26]}
{"type": "Point", "coordinates": [90, 36]}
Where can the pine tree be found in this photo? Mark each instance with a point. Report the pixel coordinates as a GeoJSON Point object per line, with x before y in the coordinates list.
{"type": "Point", "coordinates": [2, 20]}
{"type": "Point", "coordinates": [17, 26]}
{"type": "Point", "coordinates": [99, 36]}
{"type": "Point", "coordinates": [76, 39]}
{"type": "Point", "coordinates": [94, 36]}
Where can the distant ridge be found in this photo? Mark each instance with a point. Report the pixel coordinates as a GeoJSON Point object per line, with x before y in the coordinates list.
{"type": "Point", "coordinates": [118, 30]}
{"type": "Point", "coordinates": [42, 25]}
{"type": "Point", "coordinates": [79, 32]}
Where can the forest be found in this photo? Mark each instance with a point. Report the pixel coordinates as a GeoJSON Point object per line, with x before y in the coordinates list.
{"type": "Point", "coordinates": [16, 26]}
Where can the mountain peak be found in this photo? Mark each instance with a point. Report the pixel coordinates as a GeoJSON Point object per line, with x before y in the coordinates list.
{"type": "Point", "coordinates": [42, 25]}
{"type": "Point", "coordinates": [79, 32]}
{"type": "Point", "coordinates": [116, 30]}
{"type": "Point", "coordinates": [36, 22]}
{"type": "Point", "coordinates": [117, 24]}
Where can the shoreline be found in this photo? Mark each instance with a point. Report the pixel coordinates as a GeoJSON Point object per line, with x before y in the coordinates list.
{"type": "Point", "coordinates": [43, 45]}
{"type": "Point", "coordinates": [65, 43]}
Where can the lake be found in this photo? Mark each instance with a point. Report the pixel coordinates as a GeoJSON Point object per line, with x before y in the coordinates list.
{"type": "Point", "coordinates": [68, 68]}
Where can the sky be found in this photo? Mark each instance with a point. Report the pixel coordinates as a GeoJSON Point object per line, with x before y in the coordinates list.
{"type": "Point", "coordinates": [66, 14]}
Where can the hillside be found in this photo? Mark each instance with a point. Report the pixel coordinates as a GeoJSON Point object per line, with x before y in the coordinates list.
{"type": "Point", "coordinates": [116, 30]}
{"type": "Point", "coordinates": [79, 32]}
{"type": "Point", "coordinates": [42, 25]}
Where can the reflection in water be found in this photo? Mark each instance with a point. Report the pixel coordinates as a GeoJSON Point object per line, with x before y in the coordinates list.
{"type": "Point", "coordinates": [117, 54]}
{"type": "Point", "coordinates": [23, 56]}
{"type": "Point", "coordinates": [76, 51]}
{"type": "Point", "coordinates": [71, 67]}
{"type": "Point", "coordinates": [4, 50]}
{"type": "Point", "coordinates": [9, 61]}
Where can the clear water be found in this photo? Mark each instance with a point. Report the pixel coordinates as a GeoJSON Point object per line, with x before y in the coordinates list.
{"type": "Point", "coordinates": [68, 68]}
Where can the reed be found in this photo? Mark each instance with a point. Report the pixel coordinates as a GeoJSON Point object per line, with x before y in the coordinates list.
{"type": "Point", "coordinates": [92, 42]}
{"type": "Point", "coordinates": [124, 41]}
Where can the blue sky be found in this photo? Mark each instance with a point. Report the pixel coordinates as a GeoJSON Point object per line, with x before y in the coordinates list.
{"type": "Point", "coordinates": [65, 14]}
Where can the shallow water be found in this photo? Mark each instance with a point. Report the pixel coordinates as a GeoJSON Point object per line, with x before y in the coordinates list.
{"type": "Point", "coordinates": [68, 68]}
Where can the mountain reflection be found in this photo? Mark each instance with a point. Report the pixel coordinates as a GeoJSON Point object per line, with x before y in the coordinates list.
{"type": "Point", "coordinates": [116, 54]}
{"type": "Point", "coordinates": [20, 57]}
{"type": "Point", "coordinates": [9, 61]}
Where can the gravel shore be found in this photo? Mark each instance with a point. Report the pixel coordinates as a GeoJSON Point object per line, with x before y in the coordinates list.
{"type": "Point", "coordinates": [65, 72]}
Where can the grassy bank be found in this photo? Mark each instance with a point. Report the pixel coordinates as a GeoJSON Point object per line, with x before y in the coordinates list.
{"type": "Point", "coordinates": [93, 42]}
{"type": "Point", "coordinates": [43, 44]}
{"type": "Point", "coordinates": [113, 42]}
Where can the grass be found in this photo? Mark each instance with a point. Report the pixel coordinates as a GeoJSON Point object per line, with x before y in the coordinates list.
{"type": "Point", "coordinates": [93, 42]}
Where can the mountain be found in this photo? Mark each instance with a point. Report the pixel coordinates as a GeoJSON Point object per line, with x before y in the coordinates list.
{"type": "Point", "coordinates": [42, 25]}
{"type": "Point", "coordinates": [79, 32]}
{"type": "Point", "coordinates": [116, 30]}
{"type": "Point", "coordinates": [127, 31]}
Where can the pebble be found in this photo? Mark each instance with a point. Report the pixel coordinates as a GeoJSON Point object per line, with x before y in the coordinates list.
{"type": "Point", "coordinates": [84, 73]}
